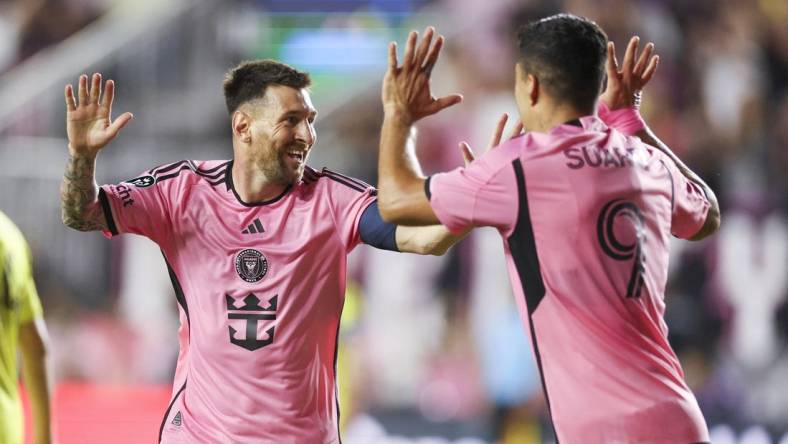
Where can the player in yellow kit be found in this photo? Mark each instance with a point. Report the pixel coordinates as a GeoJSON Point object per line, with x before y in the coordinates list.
{"type": "Point", "coordinates": [21, 329]}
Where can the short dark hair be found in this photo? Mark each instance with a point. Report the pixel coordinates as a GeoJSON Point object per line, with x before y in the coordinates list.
{"type": "Point", "coordinates": [567, 54]}
{"type": "Point", "coordinates": [249, 80]}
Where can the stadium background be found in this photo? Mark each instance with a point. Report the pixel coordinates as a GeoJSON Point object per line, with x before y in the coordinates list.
{"type": "Point", "coordinates": [432, 350]}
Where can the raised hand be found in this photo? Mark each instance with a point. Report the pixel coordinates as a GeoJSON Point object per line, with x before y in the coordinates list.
{"type": "Point", "coordinates": [495, 139]}
{"type": "Point", "coordinates": [624, 85]}
{"type": "Point", "coordinates": [406, 88]}
{"type": "Point", "coordinates": [88, 120]}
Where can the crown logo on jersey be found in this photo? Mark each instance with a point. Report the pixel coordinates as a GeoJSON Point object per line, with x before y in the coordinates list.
{"type": "Point", "coordinates": [251, 265]}
{"type": "Point", "coordinates": [252, 313]}
{"type": "Point", "coordinates": [254, 228]}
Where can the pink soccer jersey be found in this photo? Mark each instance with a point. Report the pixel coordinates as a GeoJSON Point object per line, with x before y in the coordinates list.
{"type": "Point", "coordinates": [260, 289]}
{"type": "Point", "coordinates": [586, 214]}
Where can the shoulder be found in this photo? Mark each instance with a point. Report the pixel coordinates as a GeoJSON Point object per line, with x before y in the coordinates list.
{"type": "Point", "coordinates": [12, 242]}
{"type": "Point", "coordinates": [183, 172]}
{"type": "Point", "coordinates": [498, 159]}
{"type": "Point", "coordinates": [331, 181]}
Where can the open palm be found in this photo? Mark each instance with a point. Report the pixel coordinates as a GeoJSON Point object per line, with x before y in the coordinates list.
{"type": "Point", "coordinates": [625, 84]}
{"type": "Point", "coordinates": [88, 120]}
{"type": "Point", "coordinates": [406, 88]}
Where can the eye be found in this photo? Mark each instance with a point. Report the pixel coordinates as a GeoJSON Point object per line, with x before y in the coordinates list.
{"type": "Point", "coordinates": [292, 120]}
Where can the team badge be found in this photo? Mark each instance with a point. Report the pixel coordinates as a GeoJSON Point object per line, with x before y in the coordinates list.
{"type": "Point", "coordinates": [142, 181]}
{"type": "Point", "coordinates": [251, 265]}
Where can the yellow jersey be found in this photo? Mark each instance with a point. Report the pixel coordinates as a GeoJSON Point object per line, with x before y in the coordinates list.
{"type": "Point", "coordinates": [19, 304]}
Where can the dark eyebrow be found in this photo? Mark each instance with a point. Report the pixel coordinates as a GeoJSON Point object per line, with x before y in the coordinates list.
{"type": "Point", "coordinates": [297, 112]}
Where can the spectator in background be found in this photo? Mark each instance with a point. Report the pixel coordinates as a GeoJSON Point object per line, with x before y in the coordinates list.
{"type": "Point", "coordinates": [21, 329]}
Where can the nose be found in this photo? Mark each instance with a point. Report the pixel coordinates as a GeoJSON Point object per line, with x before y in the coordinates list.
{"type": "Point", "coordinates": [306, 133]}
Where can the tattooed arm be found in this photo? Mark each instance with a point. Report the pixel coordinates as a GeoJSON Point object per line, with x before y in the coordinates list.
{"type": "Point", "coordinates": [80, 207]}
{"type": "Point", "coordinates": [89, 129]}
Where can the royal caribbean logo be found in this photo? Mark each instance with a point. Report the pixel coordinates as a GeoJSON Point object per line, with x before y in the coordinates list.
{"type": "Point", "coordinates": [142, 181]}
{"type": "Point", "coordinates": [251, 265]}
{"type": "Point", "coordinates": [252, 313]}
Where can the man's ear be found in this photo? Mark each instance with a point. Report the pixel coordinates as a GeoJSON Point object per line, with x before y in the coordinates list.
{"type": "Point", "coordinates": [532, 87]}
{"type": "Point", "coordinates": [242, 124]}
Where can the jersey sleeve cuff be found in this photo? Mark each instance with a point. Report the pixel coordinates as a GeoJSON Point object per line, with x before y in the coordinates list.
{"type": "Point", "coordinates": [107, 209]}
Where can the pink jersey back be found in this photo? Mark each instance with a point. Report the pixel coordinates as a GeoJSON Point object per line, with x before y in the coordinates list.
{"type": "Point", "coordinates": [586, 214]}
{"type": "Point", "coordinates": [260, 289]}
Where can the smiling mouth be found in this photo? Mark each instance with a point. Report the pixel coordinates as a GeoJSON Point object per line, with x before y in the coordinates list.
{"type": "Point", "coordinates": [297, 155]}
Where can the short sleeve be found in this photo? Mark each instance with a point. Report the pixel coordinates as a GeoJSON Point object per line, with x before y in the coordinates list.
{"type": "Point", "coordinates": [690, 205]}
{"type": "Point", "coordinates": [29, 303]}
{"type": "Point", "coordinates": [482, 194]}
{"type": "Point", "coordinates": [137, 206]}
{"type": "Point", "coordinates": [349, 198]}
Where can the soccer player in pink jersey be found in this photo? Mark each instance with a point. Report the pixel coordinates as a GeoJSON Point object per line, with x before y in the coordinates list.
{"type": "Point", "coordinates": [585, 207]}
{"type": "Point", "coordinates": [256, 248]}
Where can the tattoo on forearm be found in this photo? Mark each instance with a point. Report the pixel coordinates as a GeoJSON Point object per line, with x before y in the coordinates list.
{"type": "Point", "coordinates": [79, 196]}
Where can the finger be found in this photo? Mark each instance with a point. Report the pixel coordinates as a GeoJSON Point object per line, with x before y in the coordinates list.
{"type": "Point", "coordinates": [119, 123]}
{"type": "Point", "coordinates": [443, 103]}
{"type": "Point", "coordinates": [393, 56]}
{"type": "Point", "coordinates": [424, 47]}
{"type": "Point", "coordinates": [629, 55]}
{"type": "Point", "coordinates": [467, 153]}
{"type": "Point", "coordinates": [109, 95]}
{"type": "Point", "coordinates": [650, 70]}
{"type": "Point", "coordinates": [95, 88]}
{"type": "Point", "coordinates": [432, 57]}
{"type": "Point", "coordinates": [643, 59]}
{"type": "Point", "coordinates": [82, 90]}
{"type": "Point", "coordinates": [410, 45]}
{"type": "Point", "coordinates": [517, 130]}
{"type": "Point", "coordinates": [495, 140]}
{"type": "Point", "coordinates": [611, 65]}
{"type": "Point", "coordinates": [70, 103]}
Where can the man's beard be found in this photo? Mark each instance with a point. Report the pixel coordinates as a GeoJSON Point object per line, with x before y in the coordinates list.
{"type": "Point", "coordinates": [274, 165]}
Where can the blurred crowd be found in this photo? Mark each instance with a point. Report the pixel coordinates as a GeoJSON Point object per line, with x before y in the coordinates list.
{"type": "Point", "coordinates": [29, 26]}
{"type": "Point", "coordinates": [433, 346]}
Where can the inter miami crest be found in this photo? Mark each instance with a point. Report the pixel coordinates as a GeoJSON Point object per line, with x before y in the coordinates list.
{"type": "Point", "coordinates": [142, 181]}
{"type": "Point", "coordinates": [251, 265]}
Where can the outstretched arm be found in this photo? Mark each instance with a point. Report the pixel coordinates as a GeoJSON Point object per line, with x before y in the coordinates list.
{"type": "Point", "coordinates": [89, 128]}
{"type": "Point", "coordinates": [624, 86]}
{"type": "Point", "coordinates": [407, 98]}
{"type": "Point", "coordinates": [437, 239]}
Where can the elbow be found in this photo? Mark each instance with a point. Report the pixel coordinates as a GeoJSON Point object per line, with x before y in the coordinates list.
{"type": "Point", "coordinates": [711, 226]}
{"type": "Point", "coordinates": [713, 221]}
{"type": "Point", "coordinates": [390, 209]}
{"type": "Point", "coordinates": [70, 220]}
{"type": "Point", "coordinates": [438, 251]}
{"type": "Point", "coordinates": [75, 222]}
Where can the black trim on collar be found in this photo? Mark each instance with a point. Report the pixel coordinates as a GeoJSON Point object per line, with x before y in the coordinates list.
{"type": "Point", "coordinates": [231, 186]}
{"type": "Point", "coordinates": [574, 122]}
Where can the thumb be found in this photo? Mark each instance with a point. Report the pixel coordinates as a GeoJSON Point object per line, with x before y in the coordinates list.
{"type": "Point", "coordinates": [119, 123]}
{"type": "Point", "coordinates": [611, 64]}
{"type": "Point", "coordinates": [445, 102]}
{"type": "Point", "coordinates": [467, 153]}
